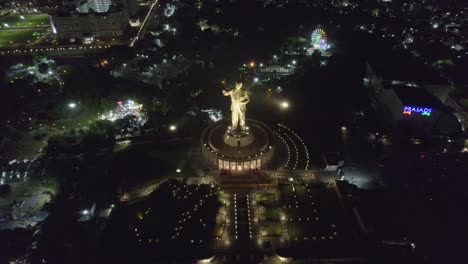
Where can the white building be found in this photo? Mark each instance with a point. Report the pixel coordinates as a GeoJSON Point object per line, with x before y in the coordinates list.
{"type": "Point", "coordinates": [98, 6]}
{"type": "Point", "coordinates": [277, 70]}
{"type": "Point", "coordinates": [85, 26]}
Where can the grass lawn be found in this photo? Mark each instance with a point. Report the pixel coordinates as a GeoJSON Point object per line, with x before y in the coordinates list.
{"type": "Point", "coordinates": [312, 210]}
{"type": "Point", "coordinates": [295, 230]}
{"type": "Point", "coordinates": [266, 200]}
{"type": "Point", "coordinates": [20, 36]}
{"type": "Point", "coordinates": [150, 163]}
{"type": "Point", "coordinates": [121, 146]}
{"type": "Point", "coordinates": [176, 221]}
{"type": "Point", "coordinates": [270, 214]}
{"type": "Point", "coordinates": [271, 228]}
{"type": "Point", "coordinates": [288, 190]}
{"type": "Point", "coordinates": [221, 216]}
{"type": "Point", "coordinates": [29, 21]}
{"type": "Point", "coordinates": [50, 183]}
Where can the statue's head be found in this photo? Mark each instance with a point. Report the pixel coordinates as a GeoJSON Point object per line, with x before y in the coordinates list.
{"type": "Point", "coordinates": [238, 85]}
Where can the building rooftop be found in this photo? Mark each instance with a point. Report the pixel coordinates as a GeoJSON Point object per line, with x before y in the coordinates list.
{"type": "Point", "coordinates": [403, 66]}
{"type": "Point", "coordinates": [415, 96]}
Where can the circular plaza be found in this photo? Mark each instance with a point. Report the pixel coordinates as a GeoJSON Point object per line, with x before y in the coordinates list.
{"type": "Point", "coordinates": [237, 152]}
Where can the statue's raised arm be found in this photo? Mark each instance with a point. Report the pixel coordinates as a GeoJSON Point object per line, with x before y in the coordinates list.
{"type": "Point", "coordinates": [226, 93]}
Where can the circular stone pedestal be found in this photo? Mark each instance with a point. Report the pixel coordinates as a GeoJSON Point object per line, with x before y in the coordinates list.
{"type": "Point", "coordinates": [237, 153]}
{"type": "Point", "coordinates": [238, 141]}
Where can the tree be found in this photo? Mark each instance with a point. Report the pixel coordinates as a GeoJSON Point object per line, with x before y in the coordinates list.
{"type": "Point", "coordinates": [127, 125]}
{"type": "Point", "coordinates": [43, 67]}
{"type": "Point", "coordinates": [15, 243]}
{"type": "Point", "coordinates": [100, 134]}
{"type": "Point", "coordinates": [160, 105]}
{"type": "Point", "coordinates": [65, 143]}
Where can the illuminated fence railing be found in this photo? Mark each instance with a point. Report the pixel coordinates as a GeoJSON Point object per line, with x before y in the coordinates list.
{"type": "Point", "coordinates": [424, 111]}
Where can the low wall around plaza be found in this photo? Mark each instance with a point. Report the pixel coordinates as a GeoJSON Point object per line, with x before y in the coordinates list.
{"type": "Point", "coordinates": [216, 161]}
{"type": "Point", "coordinates": [219, 155]}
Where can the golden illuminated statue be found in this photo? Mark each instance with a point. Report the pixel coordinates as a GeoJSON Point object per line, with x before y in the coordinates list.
{"type": "Point", "coordinates": [239, 98]}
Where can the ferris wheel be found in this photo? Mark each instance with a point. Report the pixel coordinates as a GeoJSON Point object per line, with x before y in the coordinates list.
{"type": "Point", "coordinates": [319, 35]}
{"type": "Point", "coordinates": [319, 39]}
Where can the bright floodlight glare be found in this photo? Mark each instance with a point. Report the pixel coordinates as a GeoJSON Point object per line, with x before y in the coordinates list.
{"type": "Point", "coordinates": [343, 128]}
{"type": "Point", "coordinates": [6, 25]}
{"type": "Point", "coordinates": [85, 212]}
{"type": "Point", "coordinates": [294, 62]}
{"type": "Point", "coordinates": [72, 105]}
{"type": "Point", "coordinates": [256, 79]}
{"type": "Point", "coordinates": [172, 128]}
{"type": "Point", "coordinates": [284, 105]}
{"type": "Point", "coordinates": [178, 171]}
{"type": "Point", "coordinates": [22, 17]}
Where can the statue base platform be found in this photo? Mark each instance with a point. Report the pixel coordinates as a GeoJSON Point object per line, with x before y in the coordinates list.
{"type": "Point", "coordinates": [237, 152]}
{"type": "Point", "coordinates": [238, 140]}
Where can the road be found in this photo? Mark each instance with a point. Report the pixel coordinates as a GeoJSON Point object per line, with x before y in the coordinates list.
{"type": "Point", "coordinates": [42, 38]}
{"type": "Point", "coordinates": [460, 112]}
{"type": "Point", "coordinates": [144, 26]}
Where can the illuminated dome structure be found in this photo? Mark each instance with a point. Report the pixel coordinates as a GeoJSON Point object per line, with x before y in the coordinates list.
{"type": "Point", "coordinates": [224, 149]}
{"type": "Point", "coordinates": [319, 40]}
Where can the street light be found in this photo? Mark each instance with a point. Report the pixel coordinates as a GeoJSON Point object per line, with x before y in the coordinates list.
{"type": "Point", "coordinates": [285, 105]}
{"type": "Point", "coordinates": [172, 128]}
{"type": "Point", "coordinates": [71, 105]}
{"type": "Point", "coordinates": [178, 171]}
